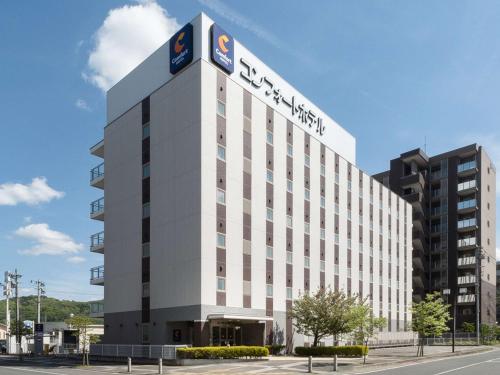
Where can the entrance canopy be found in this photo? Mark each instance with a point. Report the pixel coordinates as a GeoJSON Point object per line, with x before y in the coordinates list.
{"type": "Point", "coordinates": [239, 317]}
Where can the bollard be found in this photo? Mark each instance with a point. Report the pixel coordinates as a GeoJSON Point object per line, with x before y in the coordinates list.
{"type": "Point", "coordinates": [309, 364]}
{"type": "Point", "coordinates": [160, 366]}
{"type": "Point", "coordinates": [335, 362]}
{"type": "Point", "coordinates": [129, 365]}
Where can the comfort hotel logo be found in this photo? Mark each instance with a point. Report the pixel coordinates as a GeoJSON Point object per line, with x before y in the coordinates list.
{"type": "Point", "coordinates": [181, 48]}
{"type": "Point", "coordinates": [222, 49]}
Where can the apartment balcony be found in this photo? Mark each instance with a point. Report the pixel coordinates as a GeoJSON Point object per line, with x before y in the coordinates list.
{"type": "Point", "coordinates": [435, 230]}
{"type": "Point", "coordinates": [96, 309]}
{"type": "Point", "coordinates": [466, 262]}
{"type": "Point", "coordinates": [466, 298]}
{"type": "Point", "coordinates": [415, 199]}
{"type": "Point", "coordinates": [469, 205]}
{"type": "Point", "coordinates": [435, 194]}
{"type": "Point", "coordinates": [97, 275]}
{"type": "Point", "coordinates": [468, 279]}
{"type": "Point", "coordinates": [418, 281]}
{"type": "Point", "coordinates": [415, 180]}
{"type": "Point", "coordinates": [467, 243]}
{"type": "Point", "coordinates": [97, 209]}
{"type": "Point", "coordinates": [97, 243]}
{"type": "Point", "coordinates": [97, 176]}
{"type": "Point", "coordinates": [467, 169]}
{"type": "Point", "coordinates": [418, 240]}
{"type": "Point", "coordinates": [467, 187]}
{"type": "Point", "coordinates": [435, 211]}
{"type": "Point", "coordinates": [467, 225]}
{"type": "Point", "coordinates": [436, 175]}
{"type": "Point", "coordinates": [98, 149]}
{"type": "Point", "coordinates": [417, 261]}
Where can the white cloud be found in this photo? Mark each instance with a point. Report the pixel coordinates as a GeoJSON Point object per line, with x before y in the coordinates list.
{"type": "Point", "coordinates": [498, 253]}
{"type": "Point", "coordinates": [82, 104]}
{"type": "Point", "coordinates": [76, 260]}
{"type": "Point", "coordinates": [127, 36]}
{"type": "Point", "coordinates": [47, 241]}
{"type": "Point", "coordinates": [35, 193]}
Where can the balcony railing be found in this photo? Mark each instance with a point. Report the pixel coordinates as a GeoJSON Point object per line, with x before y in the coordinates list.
{"type": "Point", "coordinates": [96, 308]}
{"type": "Point", "coordinates": [435, 193]}
{"type": "Point", "coordinates": [470, 203]}
{"type": "Point", "coordinates": [97, 274]}
{"type": "Point", "coordinates": [436, 228]}
{"type": "Point", "coordinates": [466, 166]}
{"type": "Point", "coordinates": [465, 261]}
{"type": "Point", "coordinates": [466, 185]}
{"type": "Point", "coordinates": [469, 279]}
{"type": "Point", "coordinates": [97, 241]}
{"type": "Point", "coordinates": [97, 172]}
{"type": "Point", "coordinates": [466, 223]}
{"type": "Point", "coordinates": [466, 298]}
{"type": "Point", "coordinates": [435, 175]}
{"type": "Point", "coordinates": [471, 241]}
{"type": "Point", "coordinates": [97, 206]}
{"type": "Point", "coordinates": [435, 211]}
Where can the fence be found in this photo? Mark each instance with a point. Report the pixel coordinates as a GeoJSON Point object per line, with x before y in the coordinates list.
{"type": "Point", "coordinates": [135, 351]}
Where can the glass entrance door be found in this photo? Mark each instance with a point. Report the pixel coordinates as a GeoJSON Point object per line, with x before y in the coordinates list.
{"type": "Point", "coordinates": [223, 336]}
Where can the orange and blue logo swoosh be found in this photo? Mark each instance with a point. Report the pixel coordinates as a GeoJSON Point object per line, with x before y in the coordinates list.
{"type": "Point", "coordinates": [181, 48]}
{"type": "Point", "coordinates": [222, 49]}
{"type": "Point", "coordinates": [178, 46]}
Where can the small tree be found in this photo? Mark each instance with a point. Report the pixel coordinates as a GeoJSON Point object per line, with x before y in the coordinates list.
{"type": "Point", "coordinates": [19, 326]}
{"type": "Point", "coordinates": [469, 327]}
{"type": "Point", "coordinates": [430, 318]}
{"type": "Point", "coordinates": [367, 326]}
{"type": "Point", "coordinates": [310, 314]}
{"type": "Point", "coordinates": [81, 325]}
{"type": "Point", "coordinates": [488, 333]}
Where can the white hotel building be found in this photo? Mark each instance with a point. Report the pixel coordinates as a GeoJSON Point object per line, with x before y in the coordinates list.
{"type": "Point", "coordinates": [227, 195]}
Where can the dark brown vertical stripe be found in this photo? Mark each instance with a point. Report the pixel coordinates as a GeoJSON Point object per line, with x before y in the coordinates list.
{"type": "Point", "coordinates": [247, 193]}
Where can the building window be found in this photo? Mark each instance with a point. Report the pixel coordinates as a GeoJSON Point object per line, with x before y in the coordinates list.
{"type": "Point", "coordinates": [221, 196]}
{"type": "Point", "coordinates": [349, 272]}
{"type": "Point", "coordinates": [307, 194]}
{"type": "Point", "coordinates": [269, 214]}
{"type": "Point", "coordinates": [269, 137]}
{"type": "Point", "coordinates": [269, 176]}
{"type": "Point", "coordinates": [307, 161]}
{"type": "Point", "coordinates": [289, 150]}
{"type": "Point", "coordinates": [322, 266]}
{"type": "Point", "coordinates": [145, 131]}
{"type": "Point", "coordinates": [221, 240]}
{"type": "Point", "coordinates": [221, 284]}
{"type": "Point", "coordinates": [360, 275]}
{"type": "Point", "coordinates": [337, 178]}
{"type": "Point", "coordinates": [289, 293]}
{"type": "Point", "coordinates": [145, 250]}
{"type": "Point", "coordinates": [307, 228]}
{"type": "Point", "coordinates": [145, 170]}
{"type": "Point", "coordinates": [336, 269]}
{"type": "Point", "coordinates": [145, 333]}
{"type": "Point", "coordinates": [322, 201]}
{"type": "Point", "coordinates": [289, 257]}
{"type": "Point", "coordinates": [337, 210]}
{"type": "Point", "coordinates": [348, 243]}
{"type": "Point", "coordinates": [269, 252]}
{"type": "Point", "coordinates": [269, 290]}
{"type": "Point", "coordinates": [221, 152]}
{"type": "Point", "coordinates": [145, 289]}
{"type": "Point", "coordinates": [349, 185]}
{"type": "Point", "coordinates": [322, 234]}
{"type": "Point", "coordinates": [322, 169]}
{"type": "Point", "coordinates": [145, 210]}
{"type": "Point", "coordinates": [289, 186]}
{"type": "Point", "coordinates": [307, 262]}
{"type": "Point", "coordinates": [337, 239]}
{"type": "Point", "coordinates": [349, 215]}
{"type": "Point", "coordinates": [221, 108]}
{"type": "Point", "coordinates": [289, 221]}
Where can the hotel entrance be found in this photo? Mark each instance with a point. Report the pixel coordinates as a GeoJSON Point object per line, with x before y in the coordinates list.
{"type": "Point", "coordinates": [231, 330]}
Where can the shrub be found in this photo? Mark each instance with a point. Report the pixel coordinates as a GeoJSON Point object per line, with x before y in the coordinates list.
{"type": "Point", "coordinates": [225, 352]}
{"type": "Point", "coordinates": [330, 351]}
{"type": "Point", "coordinates": [275, 349]}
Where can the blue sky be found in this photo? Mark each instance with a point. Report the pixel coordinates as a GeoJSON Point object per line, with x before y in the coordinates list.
{"type": "Point", "coordinates": [382, 69]}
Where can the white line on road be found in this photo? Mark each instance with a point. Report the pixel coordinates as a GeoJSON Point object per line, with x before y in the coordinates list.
{"type": "Point", "coordinates": [39, 371]}
{"type": "Point", "coordinates": [461, 368]}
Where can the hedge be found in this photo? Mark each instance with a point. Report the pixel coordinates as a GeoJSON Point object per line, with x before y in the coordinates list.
{"type": "Point", "coordinates": [275, 349]}
{"type": "Point", "coordinates": [226, 352]}
{"type": "Point", "coordinates": [330, 351]}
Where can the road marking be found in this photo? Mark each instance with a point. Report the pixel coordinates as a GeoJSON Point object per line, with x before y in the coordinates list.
{"type": "Point", "coordinates": [39, 371]}
{"type": "Point", "coordinates": [461, 368]}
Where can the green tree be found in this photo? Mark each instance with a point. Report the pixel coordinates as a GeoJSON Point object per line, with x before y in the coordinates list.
{"type": "Point", "coordinates": [366, 325]}
{"type": "Point", "coordinates": [343, 314]}
{"type": "Point", "coordinates": [81, 326]}
{"type": "Point", "coordinates": [430, 318]}
{"type": "Point", "coordinates": [23, 330]}
{"type": "Point", "coordinates": [488, 333]}
{"type": "Point", "coordinates": [469, 327]}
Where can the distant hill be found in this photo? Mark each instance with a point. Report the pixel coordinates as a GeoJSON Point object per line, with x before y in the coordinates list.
{"type": "Point", "coordinates": [53, 309]}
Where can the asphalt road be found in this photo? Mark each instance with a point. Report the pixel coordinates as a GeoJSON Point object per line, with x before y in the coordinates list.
{"type": "Point", "coordinates": [476, 364]}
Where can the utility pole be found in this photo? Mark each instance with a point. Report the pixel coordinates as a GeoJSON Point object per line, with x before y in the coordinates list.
{"type": "Point", "coordinates": [40, 290]}
{"type": "Point", "coordinates": [15, 280]}
{"type": "Point", "coordinates": [7, 291]}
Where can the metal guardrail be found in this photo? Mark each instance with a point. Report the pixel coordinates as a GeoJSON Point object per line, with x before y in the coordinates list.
{"type": "Point", "coordinates": [135, 351]}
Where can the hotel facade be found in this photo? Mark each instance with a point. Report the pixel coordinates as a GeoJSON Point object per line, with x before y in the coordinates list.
{"type": "Point", "coordinates": [227, 195]}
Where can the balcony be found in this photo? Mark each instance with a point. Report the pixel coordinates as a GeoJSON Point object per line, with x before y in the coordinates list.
{"type": "Point", "coordinates": [98, 149]}
{"type": "Point", "coordinates": [418, 240]}
{"type": "Point", "coordinates": [413, 180]}
{"type": "Point", "coordinates": [435, 193]}
{"type": "Point", "coordinates": [435, 211]}
{"type": "Point", "coordinates": [97, 275]}
{"type": "Point", "coordinates": [437, 175]}
{"type": "Point", "coordinates": [97, 209]}
{"type": "Point", "coordinates": [97, 243]}
{"type": "Point", "coordinates": [466, 187]}
{"type": "Point", "coordinates": [97, 176]}
{"type": "Point", "coordinates": [467, 225]}
{"type": "Point", "coordinates": [467, 243]}
{"type": "Point", "coordinates": [468, 279]}
{"type": "Point", "coordinates": [467, 169]}
{"type": "Point", "coordinates": [466, 298]}
{"type": "Point", "coordinates": [96, 309]}
{"type": "Point", "coordinates": [465, 262]}
{"type": "Point", "coordinates": [415, 199]}
{"type": "Point", "coordinates": [469, 205]}
{"type": "Point", "coordinates": [435, 229]}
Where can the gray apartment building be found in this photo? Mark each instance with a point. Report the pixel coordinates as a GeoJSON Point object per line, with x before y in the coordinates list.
{"type": "Point", "coordinates": [226, 195]}
{"type": "Point", "coordinates": [454, 221]}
